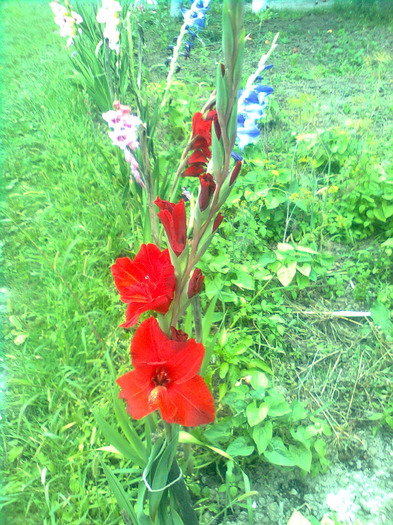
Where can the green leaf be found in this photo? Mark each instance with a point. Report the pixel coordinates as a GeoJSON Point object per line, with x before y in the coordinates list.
{"type": "Point", "coordinates": [285, 247]}
{"type": "Point", "coordinates": [119, 494]}
{"type": "Point", "coordinates": [262, 436]}
{"type": "Point", "coordinates": [302, 281]}
{"type": "Point", "coordinates": [240, 447]}
{"type": "Point", "coordinates": [285, 274]}
{"type": "Point", "coordinates": [223, 370]}
{"type": "Point", "coordinates": [185, 437]}
{"type": "Point", "coordinates": [117, 441]}
{"type": "Point", "coordinates": [258, 379]}
{"type": "Point", "coordinates": [298, 411]}
{"type": "Point", "coordinates": [256, 414]}
{"type": "Point", "coordinates": [305, 269]}
{"type": "Point", "coordinates": [294, 455]}
{"type": "Point", "coordinates": [124, 420]}
{"type": "Point", "coordinates": [244, 281]}
{"type": "Point", "coordinates": [277, 405]}
{"type": "Point", "coordinates": [381, 317]}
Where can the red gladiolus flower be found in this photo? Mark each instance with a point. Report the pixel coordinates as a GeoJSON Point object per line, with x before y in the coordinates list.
{"type": "Point", "coordinates": [196, 283]}
{"type": "Point", "coordinates": [146, 283]}
{"type": "Point", "coordinates": [165, 378]}
{"type": "Point", "coordinates": [206, 191]}
{"type": "Point", "coordinates": [174, 220]}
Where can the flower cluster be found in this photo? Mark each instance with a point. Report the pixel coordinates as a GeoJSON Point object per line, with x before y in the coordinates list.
{"type": "Point", "coordinates": [108, 14]}
{"type": "Point", "coordinates": [251, 105]}
{"type": "Point", "coordinates": [66, 20]}
{"type": "Point", "coordinates": [165, 375]}
{"type": "Point", "coordinates": [124, 134]}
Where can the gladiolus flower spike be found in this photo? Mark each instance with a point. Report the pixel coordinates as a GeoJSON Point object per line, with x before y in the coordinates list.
{"type": "Point", "coordinates": [165, 378]}
{"type": "Point", "coordinates": [146, 283]}
{"type": "Point", "coordinates": [194, 21]}
{"type": "Point", "coordinates": [124, 135]}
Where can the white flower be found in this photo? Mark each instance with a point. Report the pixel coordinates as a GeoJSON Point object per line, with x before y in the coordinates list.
{"type": "Point", "coordinates": [66, 20]}
{"type": "Point", "coordinates": [108, 15]}
{"type": "Point", "coordinates": [108, 11]}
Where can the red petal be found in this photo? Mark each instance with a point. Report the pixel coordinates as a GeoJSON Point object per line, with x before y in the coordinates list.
{"type": "Point", "coordinates": [185, 361]}
{"type": "Point", "coordinates": [201, 127]}
{"type": "Point", "coordinates": [135, 389]}
{"type": "Point", "coordinates": [194, 403]}
{"type": "Point", "coordinates": [201, 144]}
{"type": "Point", "coordinates": [149, 345]}
{"type": "Point", "coordinates": [194, 170]}
{"type": "Point", "coordinates": [197, 156]}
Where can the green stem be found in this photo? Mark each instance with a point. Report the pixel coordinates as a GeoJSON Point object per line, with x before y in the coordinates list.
{"type": "Point", "coordinates": [179, 488]}
{"type": "Point", "coordinates": [196, 308]}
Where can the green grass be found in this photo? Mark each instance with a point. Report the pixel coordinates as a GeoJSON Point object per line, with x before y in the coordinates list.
{"type": "Point", "coordinates": [64, 224]}
{"type": "Point", "coordinates": [62, 230]}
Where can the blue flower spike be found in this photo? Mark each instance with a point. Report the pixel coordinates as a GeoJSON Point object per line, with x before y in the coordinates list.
{"type": "Point", "coordinates": [253, 100]}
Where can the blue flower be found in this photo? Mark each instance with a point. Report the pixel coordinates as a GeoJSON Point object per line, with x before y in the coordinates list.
{"type": "Point", "coordinates": [251, 107]}
{"type": "Point", "coordinates": [195, 16]}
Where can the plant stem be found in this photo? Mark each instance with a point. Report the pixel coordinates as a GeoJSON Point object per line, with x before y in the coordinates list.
{"type": "Point", "coordinates": [149, 186]}
{"type": "Point", "coordinates": [196, 308]}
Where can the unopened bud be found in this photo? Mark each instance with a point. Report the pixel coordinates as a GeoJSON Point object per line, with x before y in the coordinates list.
{"type": "Point", "coordinates": [178, 335]}
{"type": "Point", "coordinates": [206, 191]}
{"type": "Point", "coordinates": [195, 284]}
{"type": "Point", "coordinates": [235, 172]}
{"type": "Point", "coordinates": [217, 221]}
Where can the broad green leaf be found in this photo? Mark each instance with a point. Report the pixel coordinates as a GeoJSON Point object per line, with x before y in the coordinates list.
{"type": "Point", "coordinates": [285, 247]}
{"type": "Point", "coordinates": [240, 447]}
{"type": "Point", "coordinates": [258, 379]}
{"type": "Point", "coordinates": [256, 414]}
{"type": "Point", "coordinates": [305, 269]}
{"type": "Point", "coordinates": [244, 281]}
{"type": "Point", "coordinates": [285, 274]}
{"type": "Point", "coordinates": [277, 405]}
{"type": "Point", "coordinates": [302, 281]}
{"type": "Point", "coordinates": [298, 411]}
{"type": "Point", "coordinates": [306, 250]}
{"type": "Point", "coordinates": [294, 455]}
{"type": "Point", "coordinates": [381, 317]}
{"type": "Point", "coordinates": [278, 454]}
{"type": "Point", "coordinates": [262, 434]}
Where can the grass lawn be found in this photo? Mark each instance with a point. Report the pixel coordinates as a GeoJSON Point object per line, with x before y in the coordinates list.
{"type": "Point", "coordinates": [65, 219]}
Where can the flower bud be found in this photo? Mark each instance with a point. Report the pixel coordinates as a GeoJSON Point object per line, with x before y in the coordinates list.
{"type": "Point", "coordinates": [178, 335]}
{"type": "Point", "coordinates": [217, 221]}
{"type": "Point", "coordinates": [195, 284]}
{"type": "Point", "coordinates": [235, 172]}
{"type": "Point", "coordinates": [174, 219]}
{"type": "Point", "coordinates": [206, 191]}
